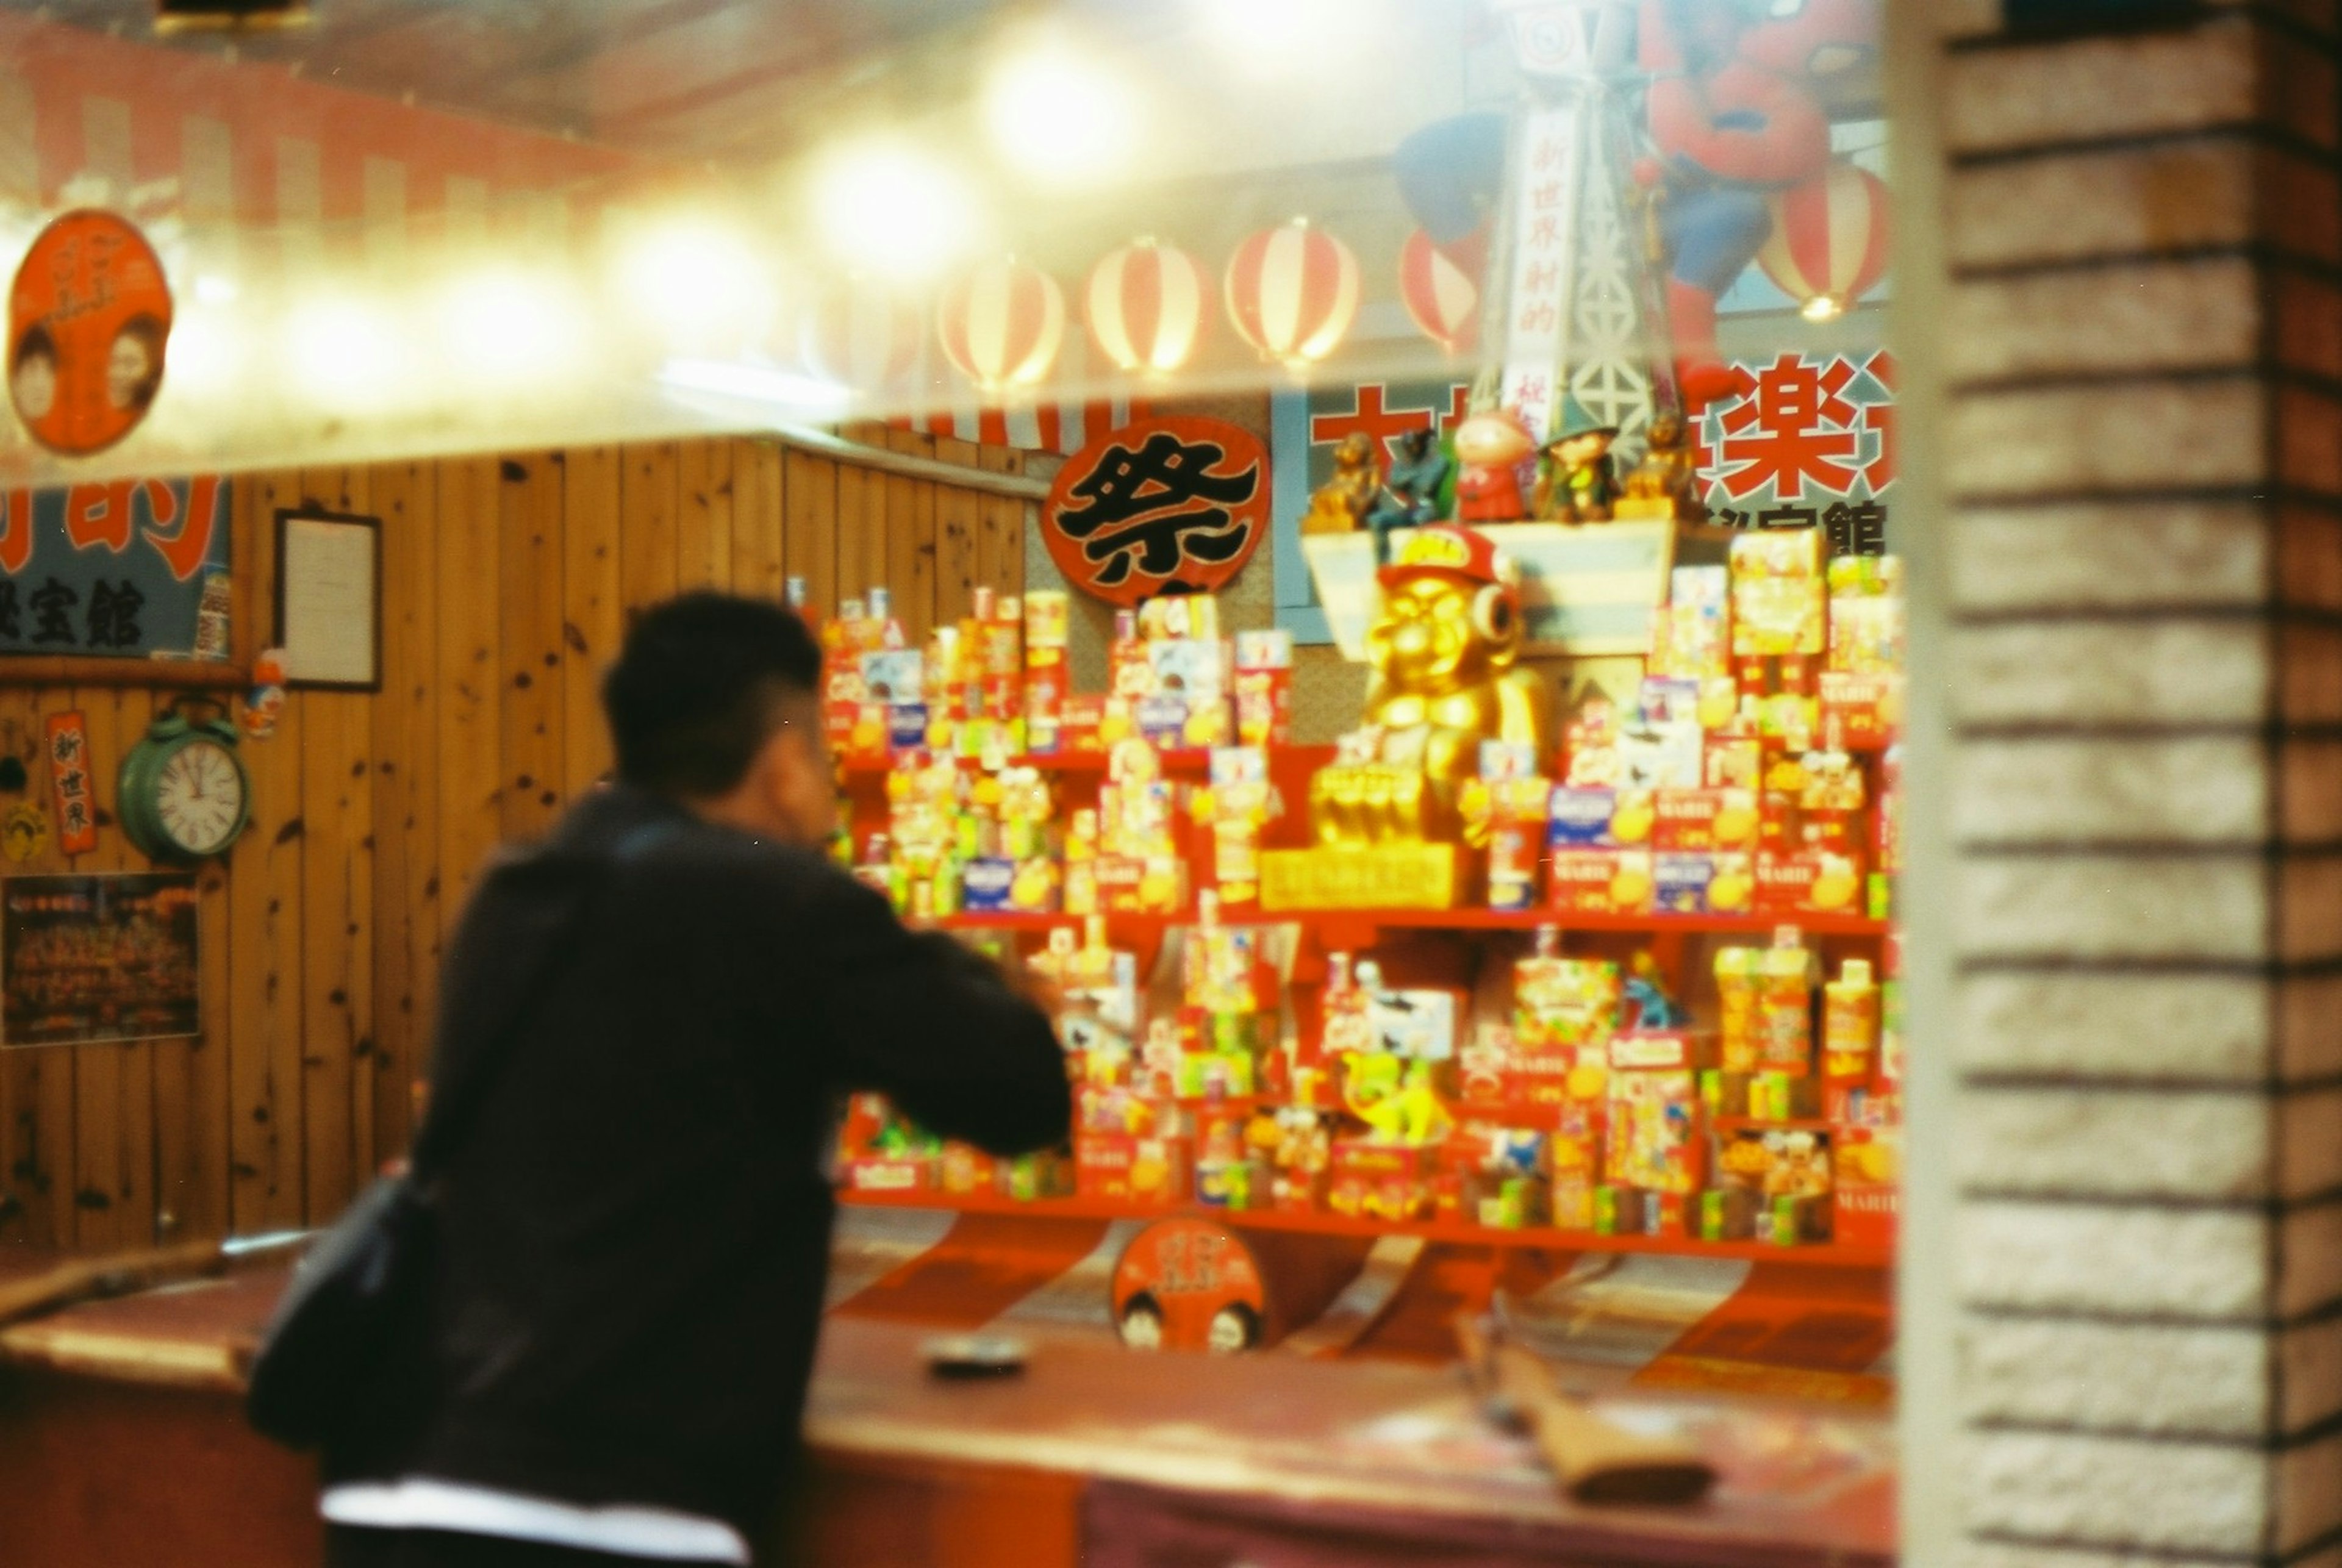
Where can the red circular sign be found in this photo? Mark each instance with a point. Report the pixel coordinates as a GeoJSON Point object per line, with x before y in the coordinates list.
{"type": "Point", "coordinates": [88, 316]}
{"type": "Point", "coordinates": [1173, 505]}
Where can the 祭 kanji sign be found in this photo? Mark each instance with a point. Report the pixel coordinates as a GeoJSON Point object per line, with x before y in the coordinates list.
{"type": "Point", "coordinates": [1174, 504]}
{"type": "Point", "coordinates": [1808, 442]}
{"type": "Point", "coordinates": [119, 569]}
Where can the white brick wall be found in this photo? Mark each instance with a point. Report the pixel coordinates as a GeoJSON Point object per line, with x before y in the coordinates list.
{"type": "Point", "coordinates": [2141, 538]}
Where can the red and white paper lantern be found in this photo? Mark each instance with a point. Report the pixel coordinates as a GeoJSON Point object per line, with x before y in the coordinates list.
{"type": "Point", "coordinates": [1002, 323]}
{"type": "Point", "coordinates": [1293, 291]}
{"type": "Point", "coordinates": [1828, 245]}
{"type": "Point", "coordinates": [1441, 289]}
{"type": "Point", "coordinates": [1145, 306]}
{"type": "Point", "coordinates": [858, 334]}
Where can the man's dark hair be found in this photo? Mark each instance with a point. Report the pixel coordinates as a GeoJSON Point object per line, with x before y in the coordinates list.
{"type": "Point", "coordinates": [703, 682]}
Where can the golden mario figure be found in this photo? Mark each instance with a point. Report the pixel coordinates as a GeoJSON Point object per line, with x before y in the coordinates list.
{"type": "Point", "coordinates": [1444, 649]}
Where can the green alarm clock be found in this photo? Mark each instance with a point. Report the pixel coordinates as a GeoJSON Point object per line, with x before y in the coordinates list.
{"type": "Point", "coordinates": [184, 794]}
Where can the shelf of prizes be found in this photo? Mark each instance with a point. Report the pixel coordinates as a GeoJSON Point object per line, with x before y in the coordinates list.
{"type": "Point", "coordinates": [1632, 987]}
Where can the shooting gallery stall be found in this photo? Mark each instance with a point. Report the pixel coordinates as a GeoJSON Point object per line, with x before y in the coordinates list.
{"type": "Point", "coordinates": [1412, 654]}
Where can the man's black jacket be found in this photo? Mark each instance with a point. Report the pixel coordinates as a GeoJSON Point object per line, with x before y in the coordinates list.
{"type": "Point", "coordinates": [635, 1227]}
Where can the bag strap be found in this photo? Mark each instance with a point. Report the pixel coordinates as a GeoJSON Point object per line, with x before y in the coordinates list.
{"type": "Point", "coordinates": [451, 1115]}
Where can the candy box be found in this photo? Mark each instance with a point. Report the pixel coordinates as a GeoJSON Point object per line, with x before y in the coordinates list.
{"type": "Point", "coordinates": [1733, 763]}
{"type": "Point", "coordinates": [1419, 1023]}
{"type": "Point", "coordinates": [1680, 883]}
{"type": "Point", "coordinates": [1809, 882]}
{"type": "Point", "coordinates": [1581, 818]}
{"type": "Point", "coordinates": [968, 1169]}
{"type": "Point", "coordinates": [1264, 688]}
{"type": "Point", "coordinates": [986, 885]}
{"type": "Point", "coordinates": [1775, 1162]}
{"type": "Point", "coordinates": [1868, 1176]}
{"type": "Point", "coordinates": [1028, 1177]}
{"type": "Point", "coordinates": [1653, 1122]}
{"type": "Point", "coordinates": [893, 1173]}
{"type": "Point", "coordinates": [1589, 742]}
{"type": "Point", "coordinates": [1703, 819]}
{"type": "Point", "coordinates": [1130, 1169]}
{"type": "Point", "coordinates": [1662, 753]}
{"type": "Point", "coordinates": [1560, 1005]}
{"type": "Point", "coordinates": [1516, 839]}
{"type": "Point", "coordinates": [1599, 881]}
{"type": "Point", "coordinates": [1861, 711]}
{"type": "Point", "coordinates": [1080, 724]}
{"type": "Point", "coordinates": [1777, 592]}
{"type": "Point", "coordinates": [1048, 619]}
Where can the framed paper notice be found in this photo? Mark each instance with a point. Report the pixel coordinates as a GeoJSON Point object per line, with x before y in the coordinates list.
{"type": "Point", "coordinates": [329, 599]}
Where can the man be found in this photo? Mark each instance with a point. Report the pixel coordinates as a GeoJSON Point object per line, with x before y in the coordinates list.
{"type": "Point", "coordinates": [636, 1221]}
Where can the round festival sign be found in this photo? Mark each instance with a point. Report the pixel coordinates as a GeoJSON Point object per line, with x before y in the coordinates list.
{"type": "Point", "coordinates": [1171, 505]}
{"type": "Point", "coordinates": [88, 316]}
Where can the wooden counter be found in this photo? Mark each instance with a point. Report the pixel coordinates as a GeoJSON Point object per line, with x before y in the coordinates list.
{"type": "Point", "coordinates": [120, 1431]}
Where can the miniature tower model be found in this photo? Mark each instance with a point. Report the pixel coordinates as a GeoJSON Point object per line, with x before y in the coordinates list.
{"type": "Point", "coordinates": [1574, 303]}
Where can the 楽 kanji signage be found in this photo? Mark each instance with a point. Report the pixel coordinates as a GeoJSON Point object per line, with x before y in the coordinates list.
{"type": "Point", "coordinates": [119, 569]}
{"type": "Point", "coordinates": [1808, 442]}
{"type": "Point", "coordinates": [1174, 504]}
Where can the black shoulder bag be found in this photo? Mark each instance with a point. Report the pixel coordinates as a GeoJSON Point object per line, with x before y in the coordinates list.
{"type": "Point", "coordinates": [355, 1292]}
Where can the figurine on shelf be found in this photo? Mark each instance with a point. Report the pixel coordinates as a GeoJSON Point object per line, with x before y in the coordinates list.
{"type": "Point", "coordinates": [1644, 1002]}
{"type": "Point", "coordinates": [1491, 445]}
{"type": "Point", "coordinates": [1443, 649]}
{"type": "Point", "coordinates": [1339, 505]}
{"type": "Point", "coordinates": [1396, 1099]}
{"type": "Point", "coordinates": [1580, 483]}
{"type": "Point", "coordinates": [1664, 484]}
{"type": "Point", "coordinates": [1410, 497]}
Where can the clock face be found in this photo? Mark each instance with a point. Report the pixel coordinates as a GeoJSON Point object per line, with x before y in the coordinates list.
{"type": "Point", "coordinates": [200, 797]}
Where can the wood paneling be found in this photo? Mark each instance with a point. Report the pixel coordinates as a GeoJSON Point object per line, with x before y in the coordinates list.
{"type": "Point", "coordinates": [506, 580]}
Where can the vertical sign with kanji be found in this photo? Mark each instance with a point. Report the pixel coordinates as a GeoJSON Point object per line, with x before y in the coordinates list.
{"type": "Point", "coordinates": [125, 568]}
{"type": "Point", "coordinates": [69, 779]}
{"type": "Point", "coordinates": [1808, 441]}
{"type": "Point", "coordinates": [1544, 209]}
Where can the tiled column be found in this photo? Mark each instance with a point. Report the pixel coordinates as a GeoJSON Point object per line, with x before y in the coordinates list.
{"type": "Point", "coordinates": [2128, 1159]}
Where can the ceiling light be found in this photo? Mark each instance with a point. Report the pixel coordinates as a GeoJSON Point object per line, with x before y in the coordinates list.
{"type": "Point", "coordinates": [891, 209]}
{"type": "Point", "coordinates": [1057, 116]}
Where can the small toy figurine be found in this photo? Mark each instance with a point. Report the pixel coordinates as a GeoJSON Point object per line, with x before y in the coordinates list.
{"type": "Point", "coordinates": [1410, 497]}
{"type": "Point", "coordinates": [1491, 445]}
{"type": "Point", "coordinates": [1644, 1002]}
{"type": "Point", "coordinates": [1339, 505]}
{"type": "Point", "coordinates": [1663, 484]}
{"type": "Point", "coordinates": [1579, 483]}
{"type": "Point", "coordinates": [1398, 1102]}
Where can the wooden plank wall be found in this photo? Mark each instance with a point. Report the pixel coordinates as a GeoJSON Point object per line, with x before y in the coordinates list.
{"type": "Point", "coordinates": [507, 582]}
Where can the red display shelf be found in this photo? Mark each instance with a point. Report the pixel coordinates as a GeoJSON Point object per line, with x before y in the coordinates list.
{"type": "Point", "coordinates": [1759, 1125]}
{"type": "Point", "coordinates": [1819, 1254]}
{"type": "Point", "coordinates": [1448, 920]}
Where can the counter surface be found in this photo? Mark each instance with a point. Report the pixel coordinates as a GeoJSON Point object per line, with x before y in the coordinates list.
{"type": "Point", "coordinates": [1802, 1482]}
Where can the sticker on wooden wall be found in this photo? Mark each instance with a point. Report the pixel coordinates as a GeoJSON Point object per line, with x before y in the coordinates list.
{"type": "Point", "coordinates": [25, 836]}
{"type": "Point", "coordinates": [69, 779]}
{"type": "Point", "coordinates": [1169, 505]}
{"type": "Point", "coordinates": [88, 319]}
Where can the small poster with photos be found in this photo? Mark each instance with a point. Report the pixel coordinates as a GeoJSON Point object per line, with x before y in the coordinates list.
{"type": "Point", "coordinates": [92, 958]}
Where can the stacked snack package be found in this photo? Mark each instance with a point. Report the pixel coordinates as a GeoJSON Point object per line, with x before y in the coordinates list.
{"type": "Point", "coordinates": [1130, 862]}
{"type": "Point", "coordinates": [1236, 809]}
{"type": "Point", "coordinates": [1048, 670]}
